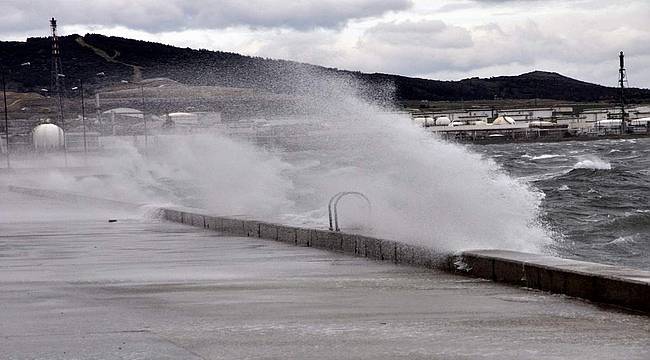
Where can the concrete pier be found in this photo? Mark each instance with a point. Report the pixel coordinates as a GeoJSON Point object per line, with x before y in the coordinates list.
{"type": "Point", "coordinates": [609, 284]}
{"type": "Point", "coordinates": [74, 285]}
{"type": "Point", "coordinates": [614, 285]}
{"type": "Point", "coordinates": [139, 289]}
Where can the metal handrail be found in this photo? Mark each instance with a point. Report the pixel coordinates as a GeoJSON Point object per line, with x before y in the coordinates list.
{"type": "Point", "coordinates": [329, 209]}
{"type": "Point", "coordinates": [335, 201]}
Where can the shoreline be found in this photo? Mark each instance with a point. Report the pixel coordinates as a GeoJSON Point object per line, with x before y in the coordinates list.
{"type": "Point", "coordinates": [506, 140]}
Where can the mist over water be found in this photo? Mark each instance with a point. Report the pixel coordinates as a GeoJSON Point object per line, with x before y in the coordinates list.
{"type": "Point", "coordinates": [345, 137]}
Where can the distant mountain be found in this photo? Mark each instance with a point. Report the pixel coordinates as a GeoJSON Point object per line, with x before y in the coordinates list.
{"type": "Point", "coordinates": [127, 59]}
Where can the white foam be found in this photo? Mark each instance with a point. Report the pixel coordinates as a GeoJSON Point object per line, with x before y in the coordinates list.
{"type": "Point", "coordinates": [592, 162]}
{"type": "Point", "coordinates": [546, 156]}
{"type": "Point", "coordinates": [622, 240]}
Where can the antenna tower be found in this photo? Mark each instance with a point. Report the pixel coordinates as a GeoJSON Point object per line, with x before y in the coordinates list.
{"type": "Point", "coordinates": [57, 80]}
{"type": "Point", "coordinates": [622, 81]}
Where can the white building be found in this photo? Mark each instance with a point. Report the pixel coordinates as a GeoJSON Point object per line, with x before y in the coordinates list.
{"type": "Point", "coordinates": [527, 115]}
{"type": "Point", "coordinates": [592, 116]}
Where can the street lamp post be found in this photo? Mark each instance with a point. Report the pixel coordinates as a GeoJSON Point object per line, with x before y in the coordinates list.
{"type": "Point", "coordinates": [83, 115]}
{"type": "Point", "coordinates": [98, 75]}
{"type": "Point", "coordinates": [65, 144]}
{"type": "Point", "coordinates": [4, 95]}
{"type": "Point", "coordinates": [144, 118]}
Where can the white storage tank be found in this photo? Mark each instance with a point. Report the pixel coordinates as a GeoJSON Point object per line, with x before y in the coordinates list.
{"type": "Point", "coordinates": [640, 122]}
{"type": "Point", "coordinates": [443, 121]}
{"type": "Point", "coordinates": [124, 112]}
{"type": "Point", "coordinates": [457, 123]}
{"type": "Point", "coordinates": [423, 121]}
{"type": "Point", "coordinates": [640, 126]}
{"type": "Point", "coordinates": [48, 137]}
{"type": "Point", "coordinates": [184, 119]}
{"type": "Point", "coordinates": [608, 124]}
{"type": "Point", "coordinates": [503, 120]}
{"type": "Point", "coordinates": [540, 124]}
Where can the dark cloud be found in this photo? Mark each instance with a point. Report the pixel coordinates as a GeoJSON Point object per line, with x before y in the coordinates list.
{"type": "Point", "coordinates": [175, 15]}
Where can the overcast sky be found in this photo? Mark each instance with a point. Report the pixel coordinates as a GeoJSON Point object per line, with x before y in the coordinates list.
{"type": "Point", "coordinates": [446, 39]}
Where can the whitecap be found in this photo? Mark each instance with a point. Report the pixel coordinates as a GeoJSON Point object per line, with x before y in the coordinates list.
{"type": "Point", "coordinates": [545, 176]}
{"type": "Point", "coordinates": [592, 163]}
{"type": "Point", "coordinates": [621, 240]}
{"type": "Point", "coordinates": [546, 156]}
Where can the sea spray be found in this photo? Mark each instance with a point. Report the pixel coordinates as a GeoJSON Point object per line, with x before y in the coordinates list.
{"type": "Point", "coordinates": [592, 162]}
{"type": "Point", "coordinates": [423, 190]}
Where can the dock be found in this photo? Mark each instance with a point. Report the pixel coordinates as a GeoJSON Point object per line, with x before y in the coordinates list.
{"type": "Point", "coordinates": [77, 286]}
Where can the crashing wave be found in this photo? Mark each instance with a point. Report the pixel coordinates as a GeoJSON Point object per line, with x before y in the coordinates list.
{"type": "Point", "coordinates": [593, 163]}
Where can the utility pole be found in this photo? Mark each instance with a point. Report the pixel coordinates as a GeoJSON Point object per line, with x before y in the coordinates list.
{"type": "Point", "coordinates": [622, 80]}
{"type": "Point", "coordinates": [97, 104]}
{"type": "Point", "coordinates": [57, 80]}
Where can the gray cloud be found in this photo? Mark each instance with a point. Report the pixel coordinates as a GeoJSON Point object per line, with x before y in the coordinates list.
{"type": "Point", "coordinates": [426, 34]}
{"type": "Point", "coordinates": [175, 15]}
{"type": "Point", "coordinates": [585, 48]}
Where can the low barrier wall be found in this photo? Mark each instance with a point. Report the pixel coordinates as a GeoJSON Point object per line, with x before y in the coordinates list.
{"type": "Point", "coordinates": [352, 244]}
{"type": "Point", "coordinates": [615, 285]}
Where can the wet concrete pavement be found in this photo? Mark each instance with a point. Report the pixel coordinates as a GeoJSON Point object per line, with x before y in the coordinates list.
{"type": "Point", "coordinates": [142, 289]}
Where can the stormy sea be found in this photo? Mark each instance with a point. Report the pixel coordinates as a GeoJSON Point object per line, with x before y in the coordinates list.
{"type": "Point", "coordinates": [596, 195]}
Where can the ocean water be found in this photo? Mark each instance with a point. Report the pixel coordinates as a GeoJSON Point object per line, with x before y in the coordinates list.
{"type": "Point", "coordinates": [596, 199]}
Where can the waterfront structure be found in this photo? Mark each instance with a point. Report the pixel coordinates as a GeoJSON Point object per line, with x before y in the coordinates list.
{"type": "Point", "coordinates": [533, 124]}
{"type": "Point", "coordinates": [48, 137]}
{"type": "Point", "coordinates": [622, 81]}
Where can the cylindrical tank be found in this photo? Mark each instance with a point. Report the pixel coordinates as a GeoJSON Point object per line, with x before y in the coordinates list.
{"type": "Point", "coordinates": [424, 121]}
{"type": "Point", "coordinates": [503, 120]}
{"type": "Point", "coordinates": [640, 122]}
{"type": "Point", "coordinates": [540, 124]}
{"type": "Point", "coordinates": [609, 123]}
{"type": "Point", "coordinates": [47, 137]}
{"type": "Point", "coordinates": [181, 119]}
{"type": "Point", "coordinates": [442, 121]}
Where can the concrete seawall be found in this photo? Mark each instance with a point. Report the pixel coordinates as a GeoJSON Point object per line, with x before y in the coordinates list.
{"type": "Point", "coordinates": [625, 287]}
{"type": "Point", "coordinates": [352, 244]}
{"type": "Point", "coordinates": [614, 285]}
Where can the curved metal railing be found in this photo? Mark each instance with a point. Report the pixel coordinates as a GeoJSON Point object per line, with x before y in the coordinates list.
{"type": "Point", "coordinates": [334, 201]}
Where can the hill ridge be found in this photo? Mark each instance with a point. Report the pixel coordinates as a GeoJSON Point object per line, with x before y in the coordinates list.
{"type": "Point", "coordinates": [144, 59]}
